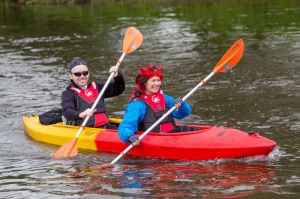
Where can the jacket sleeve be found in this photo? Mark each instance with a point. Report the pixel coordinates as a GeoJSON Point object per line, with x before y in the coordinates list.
{"type": "Point", "coordinates": [68, 104]}
{"type": "Point", "coordinates": [134, 114]}
{"type": "Point", "coordinates": [115, 88]}
{"type": "Point", "coordinates": [183, 111]}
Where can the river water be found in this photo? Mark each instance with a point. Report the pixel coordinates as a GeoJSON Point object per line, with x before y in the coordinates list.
{"type": "Point", "coordinates": [261, 93]}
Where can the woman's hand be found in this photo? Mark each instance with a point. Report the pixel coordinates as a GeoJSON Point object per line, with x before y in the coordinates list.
{"type": "Point", "coordinates": [134, 140]}
{"type": "Point", "coordinates": [88, 112]}
{"type": "Point", "coordinates": [177, 103]}
{"type": "Point", "coordinates": [115, 70]}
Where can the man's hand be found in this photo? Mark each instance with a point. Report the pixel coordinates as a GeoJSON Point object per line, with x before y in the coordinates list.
{"type": "Point", "coordinates": [115, 70]}
{"type": "Point", "coordinates": [87, 112]}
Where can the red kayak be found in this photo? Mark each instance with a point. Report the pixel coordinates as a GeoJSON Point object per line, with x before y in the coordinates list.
{"type": "Point", "coordinates": [208, 143]}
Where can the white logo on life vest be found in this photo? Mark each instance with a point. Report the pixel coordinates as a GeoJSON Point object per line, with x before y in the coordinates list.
{"type": "Point", "coordinates": [155, 99]}
{"type": "Point", "coordinates": [88, 93]}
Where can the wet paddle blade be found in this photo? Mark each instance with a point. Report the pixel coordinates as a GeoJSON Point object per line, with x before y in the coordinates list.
{"type": "Point", "coordinates": [231, 57]}
{"type": "Point", "coordinates": [132, 40]}
{"type": "Point", "coordinates": [66, 150]}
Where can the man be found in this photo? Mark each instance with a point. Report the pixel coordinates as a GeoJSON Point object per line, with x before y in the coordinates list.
{"type": "Point", "coordinates": [79, 96]}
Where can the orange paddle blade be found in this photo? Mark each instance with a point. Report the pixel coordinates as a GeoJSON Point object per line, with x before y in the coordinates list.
{"type": "Point", "coordinates": [132, 40]}
{"type": "Point", "coordinates": [67, 150]}
{"type": "Point", "coordinates": [231, 57]}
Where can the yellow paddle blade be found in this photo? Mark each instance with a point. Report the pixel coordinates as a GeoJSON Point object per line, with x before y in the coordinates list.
{"type": "Point", "coordinates": [67, 150]}
{"type": "Point", "coordinates": [132, 40]}
{"type": "Point", "coordinates": [231, 57]}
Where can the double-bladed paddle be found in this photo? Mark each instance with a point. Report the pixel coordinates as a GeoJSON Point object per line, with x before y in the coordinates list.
{"type": "Point", "coordinates": [229, 60]}
{"type": "Point", "coordinates": [132, 41]}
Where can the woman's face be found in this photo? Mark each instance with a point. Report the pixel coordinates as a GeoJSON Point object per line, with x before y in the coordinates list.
{"type": "Point", "coordinates": [152, 85]}
{"type": "Point", "coordinates": [81, 80]}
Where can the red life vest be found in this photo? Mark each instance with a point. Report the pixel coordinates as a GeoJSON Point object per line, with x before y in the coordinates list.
{"type": "Point", "coordinates": [156, 107]}
{"type": "Point", "coordinates": [87, 98]}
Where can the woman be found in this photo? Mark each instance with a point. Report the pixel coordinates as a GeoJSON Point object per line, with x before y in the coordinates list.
{"type": "Point", "coordinates": [148, 103]}
{"type": "Point", "coordinates": [81, 94]}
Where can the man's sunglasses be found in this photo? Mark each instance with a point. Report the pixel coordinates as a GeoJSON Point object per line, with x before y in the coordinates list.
{"type": "Point", "coordinates": [78, 74]}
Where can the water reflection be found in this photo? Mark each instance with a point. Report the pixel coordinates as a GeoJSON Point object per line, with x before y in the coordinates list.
{"type": "Point", "coordinates": [169, 179]}
{"type": "Point", "coordinates": [79, 177]}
